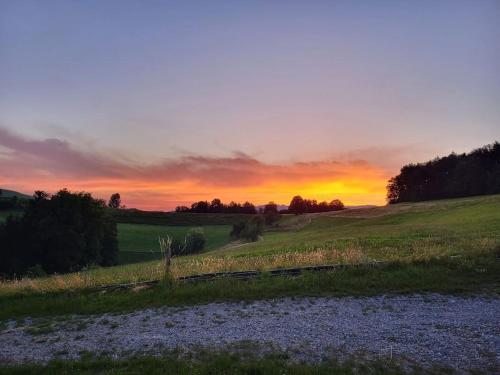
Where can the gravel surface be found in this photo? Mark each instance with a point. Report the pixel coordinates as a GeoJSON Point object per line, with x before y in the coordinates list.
{"type": "Point", "coordinates": [457, 332]}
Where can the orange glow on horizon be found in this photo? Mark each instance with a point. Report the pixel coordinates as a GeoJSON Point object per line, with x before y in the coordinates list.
{"type": "Point", "coordinates": [52, 164]}
{"type": "Point", "coordinates": [359, 185]}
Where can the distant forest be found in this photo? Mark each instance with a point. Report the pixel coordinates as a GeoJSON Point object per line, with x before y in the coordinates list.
{"type": "Point", "coordinates": [452, 176]}
{"type": "Point", "coordinates": [297, 206]}
{"type": "Point", "coordinates": [217, 207]}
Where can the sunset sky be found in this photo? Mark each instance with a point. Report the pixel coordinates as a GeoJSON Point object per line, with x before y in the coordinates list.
{"type": "Point", "coordinates": [171, 102]}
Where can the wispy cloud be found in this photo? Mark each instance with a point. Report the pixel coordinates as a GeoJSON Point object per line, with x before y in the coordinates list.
{"type": "Point", "coordinates": [51, 164]}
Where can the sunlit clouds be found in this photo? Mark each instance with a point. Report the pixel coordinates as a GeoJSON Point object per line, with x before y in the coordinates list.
{"type": "Point", "coordinates": [51, 164]}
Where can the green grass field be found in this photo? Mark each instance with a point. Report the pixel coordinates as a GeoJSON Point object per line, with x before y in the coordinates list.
{"type": "Point", "coordinates": [397, 232]}
{"type": "Point", "coordinates": [139, 242]}
{"type": "Point", "coordinates": [442, 246]}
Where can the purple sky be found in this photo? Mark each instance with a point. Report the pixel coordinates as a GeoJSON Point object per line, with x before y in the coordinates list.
{"type": "Point", "coordinates": [141, 84]}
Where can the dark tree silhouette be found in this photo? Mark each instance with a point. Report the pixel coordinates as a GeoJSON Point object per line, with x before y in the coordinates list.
{"type": "Point", "coordinates": [115, 201]}
{"type": "Point", "coordinates": [62, 233]}
{"type": "Point", "coordinates": [452, 176]}
{"type": "Point", "coordinates": [297, 205]}
{"type": "Point", "coordinates": [248, 230]}
{"type": "Point", "coordinates": [271, 213]}
{"type": "Point", "coordinates": [336, 205]}
{"type": "Point", "coordinates": [217, 206]}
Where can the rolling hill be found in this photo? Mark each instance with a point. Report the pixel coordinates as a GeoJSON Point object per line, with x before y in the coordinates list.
{"type": "Point", "coordinates": [5, 193]}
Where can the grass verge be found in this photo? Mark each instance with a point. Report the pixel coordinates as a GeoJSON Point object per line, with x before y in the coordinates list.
{"type": "Point", "coordinates": [212, 364]}
{"type": "Point", "coordinates": [441, 276]}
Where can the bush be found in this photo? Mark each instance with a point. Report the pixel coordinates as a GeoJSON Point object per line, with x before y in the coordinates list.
{"type": "Point", "coordinates": [271, 213]}
{"type": "Point", "coordinates": [195, 241]}
{"type": "Point", "coordinates": [250, 230]}
{"type": "Point", "coordinates": [237, 229]}
{"type": "Point", "coordinates": [36, 271]}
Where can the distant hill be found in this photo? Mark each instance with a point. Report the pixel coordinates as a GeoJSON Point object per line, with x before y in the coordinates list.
{"type": "Point", "coordinates": [5, 193]}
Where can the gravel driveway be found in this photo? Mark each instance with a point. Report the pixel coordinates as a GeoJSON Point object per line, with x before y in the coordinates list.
{"type": "Point", "coordinates": [457, 332]}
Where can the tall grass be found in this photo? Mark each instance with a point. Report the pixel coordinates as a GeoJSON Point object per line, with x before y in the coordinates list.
{"type": "Point", "coordinates": [189, 265]}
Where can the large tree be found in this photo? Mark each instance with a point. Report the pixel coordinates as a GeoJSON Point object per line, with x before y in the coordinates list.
{"type": "Point", "coordinates": [61, 233]}
{"type": "Point", "coordinates": [297, 205]}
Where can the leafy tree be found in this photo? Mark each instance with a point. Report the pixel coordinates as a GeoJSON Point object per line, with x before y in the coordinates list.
{"type": "Point", "coordinates": [40, 195]}
{"type": "Point", "coordinates": [249, 230]}
{"type": "Point", "coordinates": [195, 241]}
{"type": "Point", "coordinates": [63, 233]}
{"type": "Point", "coordinates": [248, 208]}
{"type": "Point", "coordinates": [297, 205]}
{"type": "Point", "coordinates": [336, 205]}
{"type": "Point", "coordinates": [200, 207]}
{"type": "Point", "coordinates": [253, 228]}
{"type": "Point", "coordinates": [115, 201]}
{"type": "Point", "coordinates": [236, 230]}
{"type": "Point", "coordinates": [271, 213]}
{"type": "Point", "coordinates": [216, 206]}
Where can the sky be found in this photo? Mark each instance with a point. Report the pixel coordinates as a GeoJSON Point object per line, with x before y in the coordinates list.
{"type": "Point", "coordinates": [172, 102]}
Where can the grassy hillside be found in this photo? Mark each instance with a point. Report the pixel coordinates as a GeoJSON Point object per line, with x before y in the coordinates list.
{"type": "Point", "coordinates": [396, 232]}
{"type": "Point", "coordinates": [442, 246]}
{"type": "Point", "coordinates": [5, 193]}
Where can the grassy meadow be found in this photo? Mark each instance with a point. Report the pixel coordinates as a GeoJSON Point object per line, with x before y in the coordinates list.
{"type": "Point", "coordinates": [446, 246]}
{"type": "Point", "coordinates": [139, 242]}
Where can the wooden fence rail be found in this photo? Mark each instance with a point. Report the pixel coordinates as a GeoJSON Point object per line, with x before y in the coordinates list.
{"type": "Point", "coordinates": [247, 275]}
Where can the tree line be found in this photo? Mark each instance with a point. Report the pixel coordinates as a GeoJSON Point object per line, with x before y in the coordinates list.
{"type": "Point", "coordinates": [64, 232]}
{"type": "Point", "coordinates": [299, 205]}
{"type": "Point", "coordinates": [452, 176]}
{"type": "Point", "coordinates": [216, 206]}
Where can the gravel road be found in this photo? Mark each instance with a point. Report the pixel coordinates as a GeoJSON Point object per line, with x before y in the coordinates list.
{"type": "Point", "coordinates": [457, 332]}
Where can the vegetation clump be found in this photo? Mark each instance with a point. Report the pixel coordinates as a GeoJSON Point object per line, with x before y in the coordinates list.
{"type": "Point", "coordinates": [452, 176]}
{"type": "Point", "coordinates": [299, 205]}
{"type": "Point", "coordinates": [115, 201]}
{"type": "Point", "coordinates": [195, 241]}
{"type": "Point", "coordinates": [217, 207]}
{"type": "Point", "coordinates": [62, 233]}
{"type": "Point", "coordinates": [271, 213]}
{"type": "Point", "coordinates": [250, 230]}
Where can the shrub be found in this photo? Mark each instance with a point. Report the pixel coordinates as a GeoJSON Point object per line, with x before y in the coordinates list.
{"type": "Point", "coordinates": [36, 271]}
{"type": "Point", "coordinates": [250, 230]}
{"type": "Point", "coordinates": [195, 241]}
{"type": "Point", "coordinates": [237, 229]}
{"type": "Point", "coordinates": [271, 213]}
